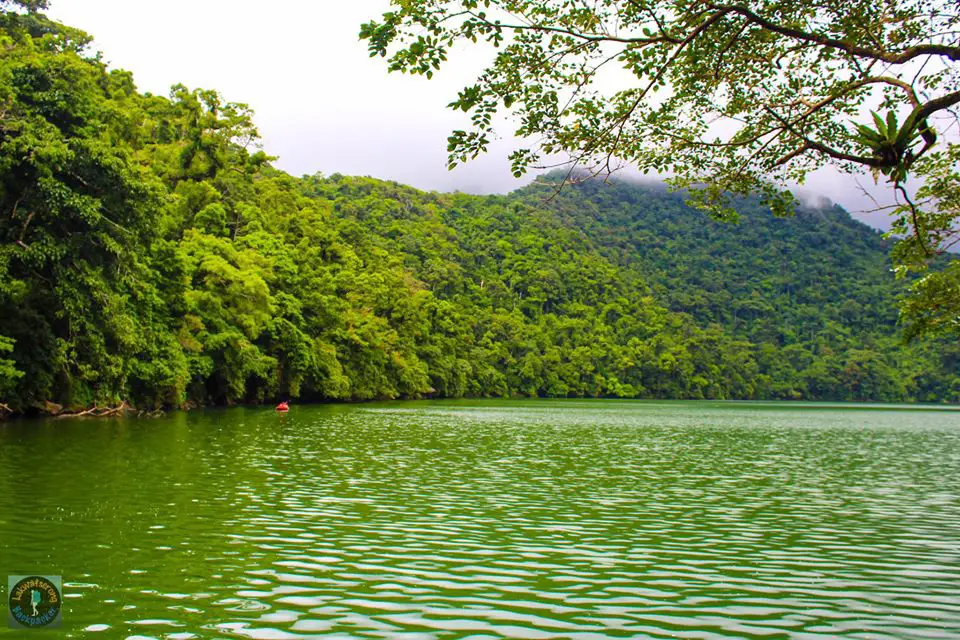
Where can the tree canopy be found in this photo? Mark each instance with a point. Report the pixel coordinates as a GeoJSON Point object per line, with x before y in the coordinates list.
{"type": "Point", "coordinates": [725, 98]}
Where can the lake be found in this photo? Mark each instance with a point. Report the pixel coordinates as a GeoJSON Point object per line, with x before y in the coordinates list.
{"type": "Point", "coordinates": [523, 519]}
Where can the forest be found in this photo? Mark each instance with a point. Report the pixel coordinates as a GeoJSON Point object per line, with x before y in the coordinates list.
{"type": "Point", "coordinates": [150, 254]}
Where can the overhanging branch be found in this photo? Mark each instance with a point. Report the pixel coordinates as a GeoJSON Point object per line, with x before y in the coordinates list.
{"type": "Point", "coordinates": [953, 53]}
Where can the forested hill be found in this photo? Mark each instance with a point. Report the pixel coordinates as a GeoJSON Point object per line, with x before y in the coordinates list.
{"type": "Point", "coordinates": [149, 255]}
{"type": "Point", "coordinates": [783, 280]}
{"type": "Point", "coordinates": [656, 300]}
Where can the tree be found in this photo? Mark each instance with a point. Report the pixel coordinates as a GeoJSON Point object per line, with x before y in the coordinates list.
{"type": "Point", "coordinates": [726, 98]}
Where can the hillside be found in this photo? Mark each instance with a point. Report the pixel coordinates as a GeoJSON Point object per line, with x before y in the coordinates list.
{"type": "Point", "coordinates": [150, 255]}
{"type": "Point", "coordinates": [818, 284]}
{"type": "Point", "coordinates": [763, 278]}
{"type": "Point", "coordinates": [657, 300]}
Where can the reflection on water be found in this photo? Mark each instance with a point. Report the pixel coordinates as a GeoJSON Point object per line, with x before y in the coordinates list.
{"type": "Point", "coordinates": [493, 519]}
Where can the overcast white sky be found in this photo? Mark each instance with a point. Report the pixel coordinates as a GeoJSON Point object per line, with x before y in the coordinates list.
{"type": "Point", "coordinates": [321, 103]}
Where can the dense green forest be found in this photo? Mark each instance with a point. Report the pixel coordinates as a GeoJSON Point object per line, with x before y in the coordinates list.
{"type": "Point", "coordinates": [150, 254]}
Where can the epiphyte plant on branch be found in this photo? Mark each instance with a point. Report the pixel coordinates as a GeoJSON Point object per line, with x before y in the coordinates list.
{"type": "Point", "coordinates": [724, 98]}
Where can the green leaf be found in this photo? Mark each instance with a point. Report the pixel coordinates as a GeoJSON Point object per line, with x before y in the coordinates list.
{"type": "Point", "coordinates": [891, 125]}
{"type": "Point", "coordinates": [881, 125]}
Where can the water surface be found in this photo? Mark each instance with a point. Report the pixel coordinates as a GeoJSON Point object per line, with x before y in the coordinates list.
{"type": "Point", "coordinates": [532, 519]}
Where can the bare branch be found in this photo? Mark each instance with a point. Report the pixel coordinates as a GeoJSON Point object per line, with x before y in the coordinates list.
{"type": "Point", "coordinates": [918, 231]}
{"type": "Point", "coordinates": [23, 230]}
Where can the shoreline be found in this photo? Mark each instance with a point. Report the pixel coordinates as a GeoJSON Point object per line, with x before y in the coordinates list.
{"type": "Point", "coordinates": [126, 411]}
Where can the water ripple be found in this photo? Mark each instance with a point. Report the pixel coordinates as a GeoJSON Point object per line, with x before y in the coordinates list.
{"type": "Point", "coordinates": [490, 519]}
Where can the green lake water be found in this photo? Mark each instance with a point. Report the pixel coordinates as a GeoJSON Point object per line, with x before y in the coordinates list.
{"type": "Point", "coordinates": [526, 519]}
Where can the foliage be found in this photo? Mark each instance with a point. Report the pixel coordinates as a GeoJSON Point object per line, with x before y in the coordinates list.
{"type": "Point", "coordinates": [149, 253]}
{"type": "Point", "coordinates": [728, 99]}
{"type": "Point", "coordinates": [934, 304]}
{"type": "Point", "coordinates": [8, 370]}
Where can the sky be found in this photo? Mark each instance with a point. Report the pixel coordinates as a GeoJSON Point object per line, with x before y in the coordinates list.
{"type": "Point", "coordinates": [321, 103]}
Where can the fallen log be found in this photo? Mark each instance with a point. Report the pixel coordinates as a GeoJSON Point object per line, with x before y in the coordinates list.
{"type": "Point", "coordinates": [97, 412]}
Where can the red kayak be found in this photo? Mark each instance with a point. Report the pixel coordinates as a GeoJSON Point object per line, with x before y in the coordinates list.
{"type": "Point", "coordinates": [283, 407]}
